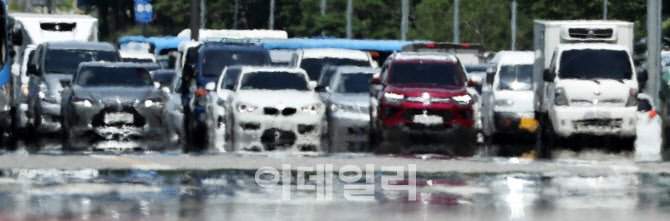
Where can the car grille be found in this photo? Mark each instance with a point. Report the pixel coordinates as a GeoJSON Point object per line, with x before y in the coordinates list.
{"type": "Point", "coordinates": [99, 119]}
{"type": "Point", "coordinates": [445, 114]}
{"type": "Point", "coordinates": [598, 123]}
{"type": "Point", "coordinates": [274, 111]}
{"type": "Point", "coordinates": [274, 138]}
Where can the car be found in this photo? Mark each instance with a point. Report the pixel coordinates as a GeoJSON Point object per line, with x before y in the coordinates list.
{"type": "Point", "coordinates": [113, 102]}
{"type": "Point", "coordinates": [281, 58]}
{"type": "Point", "coordinates": [293, 119]}
{"type": "Point", "coordinates": [313, 60]}
{"type": "Point", "coordinates": [51, 70]}
{"type": "Point", "coordinates": [422, 98]}
{"type": "Point", "coordinates": [348, 104]}
{"type": "Point", "coordinates": [507, 105]}
{"type": "Point", "coordinates": [203, 66]}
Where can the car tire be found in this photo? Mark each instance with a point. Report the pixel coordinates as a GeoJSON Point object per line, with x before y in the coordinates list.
{"type": "Point", "coordinates": [545, 141]}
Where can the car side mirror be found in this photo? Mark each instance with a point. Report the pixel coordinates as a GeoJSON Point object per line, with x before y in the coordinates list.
{"type": "Point", "coordinates": [17, 37]}
{"type": "Point", "coordinates": [165, 90]}
{"type": "Point", "coordinates": [157, 85]}
{"type": "Point", "coordinates": [548, 76]}
{"type": "Point", "coordinates": [642, 76]}
{"type": "Point", "coordinates": [32, 69]}
{"type": "Point", "coordinates": [376, 81]}
{"type": "Point", "coordinates": [320, 88]}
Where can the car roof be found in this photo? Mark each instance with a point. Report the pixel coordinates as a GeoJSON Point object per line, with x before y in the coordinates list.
{"type": "Point", "coordinates": [407, 56]}
{"type": "Point", "coordinates": [118, 64]}
{"type": "Point", "coordinates": [161, 43]}
{"type": "Point", "coordinates": [514, 57]}
{"type": "Point", "coordinates": [356, 69]}
{"type": "Point", "coordinates": [101, 46]}
{"type": "Point", "coordinates": [250, 69]}
{"type": "Point", "coordinates": [228, 46]}
{"type": "Point", "coordinates": [334, 53]}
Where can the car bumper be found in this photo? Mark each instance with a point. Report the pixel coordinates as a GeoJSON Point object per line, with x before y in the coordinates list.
{"type": "Point", "coordinates": [303, 132]}
{"type": "Point", "coordinates": [50, 116]}
{"type": "Point", "coordinates": [620, 121]}
{"type": "Point", "coordinates": [110, 122]}
{"type": "Point", "coordinates": [349, 131]}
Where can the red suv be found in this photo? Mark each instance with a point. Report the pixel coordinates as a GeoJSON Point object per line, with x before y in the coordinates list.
{"type": "Point", "coordinates": [422, 98]}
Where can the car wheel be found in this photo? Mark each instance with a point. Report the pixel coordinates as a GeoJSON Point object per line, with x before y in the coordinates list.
{"type": "Point", "coordinates": [545, 140]}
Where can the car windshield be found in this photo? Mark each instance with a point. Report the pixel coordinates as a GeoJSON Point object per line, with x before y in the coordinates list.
{"type": "Point", "coordinates": [66, 61]}
{"type": "Point", "coordinates": [313, 66]}
{"type": "Point", "coordinates": [516, 77]}
{"type": "Point", "coordinates": [442, 74]}
{"type": "Point", "coordinates": [114, 77]}
{"type": "Point", "coordinates": [164, 78]}
{"type": "Point", "coordinates": [354, 83]}
{"type": "Point", "coordinates": [230, 79]}
{"type": "Point", "coordinates": [326, 74]}
{"type": "Point", "coordinates": [593, 64]}
{"type": "Point", "coordinates": [273, 81]}
{"type": "Point", "coordinates": [214, 61]}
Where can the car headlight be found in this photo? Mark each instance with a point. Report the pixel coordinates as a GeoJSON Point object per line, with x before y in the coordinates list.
{"type": "Point", "coordinates": [559, 97]}
{"type": "Point", "coordinates": [153, 102]}
{"type": "Point", "coordinates": [246, 108]}
{"type": "Point", "coordinates": [393, 98]}
{"type": "Point", "coordinates": [462, 100]}
{"type": "Point", "coordinates": [82, 102]}
{"type": "Point", "coordinates": [312, 108]}
{"type": "Point", "coordinates": [632, 98]}
{"type": "Point", "coordinates": [503, 102]}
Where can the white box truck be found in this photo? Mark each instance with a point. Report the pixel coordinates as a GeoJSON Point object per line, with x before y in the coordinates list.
{"type": "Point", "coordinates": [585, 79]}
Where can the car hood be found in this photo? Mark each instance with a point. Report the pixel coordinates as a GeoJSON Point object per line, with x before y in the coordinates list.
{"type": "Point", "coordinates": [522, 101]}
{"type": "Point", "coordinates": [417, 90]}
{"type": "Point", "coordinates": [361, 99]}
{"type": "Point", "coordinates": [286, 98]}
{"type": "Point", "coordinates": [117, 94]}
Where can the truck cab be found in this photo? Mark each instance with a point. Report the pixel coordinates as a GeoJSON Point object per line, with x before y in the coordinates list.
{"type": "Point", "coordinates": [587, 84]}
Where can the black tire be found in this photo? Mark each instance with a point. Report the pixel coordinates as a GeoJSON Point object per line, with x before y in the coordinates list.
{"type": "Point", "coordinates": [545, 141]}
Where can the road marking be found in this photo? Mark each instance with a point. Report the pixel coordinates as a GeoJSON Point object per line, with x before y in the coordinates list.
{"type": "Point", "coordinates": [138, 164]}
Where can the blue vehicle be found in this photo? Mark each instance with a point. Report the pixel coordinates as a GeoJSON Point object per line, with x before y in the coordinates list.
{"type": "Point", "coordinates": [5, 89]}
{"type": "Point", "coordinates": [203, 66]}
{"type": "Point", "coordinates": [379, 49]}
{"type": "Point", "coordinates": [163, 48]}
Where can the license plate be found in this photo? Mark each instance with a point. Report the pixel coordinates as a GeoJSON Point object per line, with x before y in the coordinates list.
{"type": "Point", "coordinates": [597, 115]}
{"type": "Point", "coordinates": [427, 119]}
{"type": "Point", "coordinates": [115, 118]}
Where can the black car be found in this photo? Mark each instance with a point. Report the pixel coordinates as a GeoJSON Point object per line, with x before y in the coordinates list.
{"type": "Point", "coordinates": [114, 101]}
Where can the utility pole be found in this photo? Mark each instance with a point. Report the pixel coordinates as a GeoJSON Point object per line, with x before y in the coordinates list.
{"type": "Point", "coordinates": [350, 10]}
{"type": "Point", "coordinates": [237, 7]}
{"type": "Point", "coordinates": [323, 14]}
{"type": "Point", "coordinates": [605, 10]}
{"type": "Point", "coordinates": [195, 23]}
{"type": "Point", "coordinates": [405, 20]}
{"type": "Point", "coordinates": [654, 48]}
{"type": "Point", "coordinates": [271, 23]}
{"type": "Point", "coordinates": [202, 14]}
{"type": "Point", "coordinates": [514, 25]}
{"type": "Point", "coordinates": [457, 32]}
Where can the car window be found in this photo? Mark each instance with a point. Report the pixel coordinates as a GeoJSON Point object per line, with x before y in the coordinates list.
{"type": "Point", "coordinates": [313, 66]}
{"type": "Point", "coordinates": [64, 61]}
{"type": "Point", "coordinates": [354, 83]}
{"type": "Point", "coordinates": [515, 77]}
{"type": "Point", "coordinates": [214, 61]}
{"type": "Point", "coordinates": [230, 78]}
{"type": "Point", "coordinates": [114, 76]}
{"type": "Point", "coordinates": [443, 74]}
{"type": "Point", "coordinates": [593, 64]}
